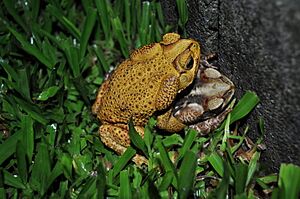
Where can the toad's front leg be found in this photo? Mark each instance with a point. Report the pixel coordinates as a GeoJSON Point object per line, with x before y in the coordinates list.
{"type": "Point", "coordinates": [169, 123]}
{"type": "Point", "coordinates": [116, 137]}
{"type": "Point", "coordinates": [167, 92]}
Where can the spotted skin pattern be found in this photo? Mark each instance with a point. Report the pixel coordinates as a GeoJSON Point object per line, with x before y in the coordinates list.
{"type": "Point", "coordinates": [142, 85]}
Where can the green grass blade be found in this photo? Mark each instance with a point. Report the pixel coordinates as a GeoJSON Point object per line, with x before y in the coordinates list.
{"type": "Point", "coordinates": [127, 5]}
{"type": "Point", "coordinates": [120, 36]}
{"type": "Point", "coordinates": [89, 188]}
{"type": "Point", "coordinates": [125, 189]}
{"type": "Point", "coordinates": [81, 86]}
{"type": "Point", "coordinates": [187, 174]}
{"type": "Point", "coordinates": [166, 181]}
{"type": "Point", "coordinates": [262, 184]}
{"type": "Point", "coordinates": [10, 6]}
{"type": "Point", "coordinates": [160, 14]}
{"type": "Point", "coordinates": [32, 110]}
{"type": "Point", "coordinates": [56, 171]}
{"type": "Point", "coordinates": [23, 83]}
{"type": "Point", "coordinates": [136, 139]}
{"type": "Point", "coordinates": [102, 8]}
{"type": "Point", "coordinates": [66, 161]}
{"type": "Point", "coordinates": [52, 38]}
{"type": "Point", "coordinates": [31, 49]}
{"type": "Point", "coordinates": [137, 179]}
{"type": "Point", "coordinates": [229, 153]}
{"type": "Point", "coordinates": [13, 180]}
{"type": "Point", "coordinates": [268, 179]}
{"type": "Point", "coordinates": [289, 181]}
{"type": "Point", "coordinates": [10, 70]}
{"type": "Point", "coordinates": [145, 22]}
{"type": "Point", "coordinates": [50, 51]}
{"type": "Point", "coordinates": [148, 138]}
{"type": "Point", "coordinates": [221, 191]}
{"type": "Point", "coordinates": [241, 196]}
{"type": "Point", "coordinates": [183, 13]}
{"type": "Point", "coordinates": [21, 161]}
{"type": "Point", "coordinates": [226, 133]}
{"type": "Point", "coordinates": [2, 190]}
{"type": "Point", "coordinates": [49, 92]}
{"type": "Point", "coordinates": [87, 30]}
{"type": "Point", "coordinates": [63, 189]}
{"type": "Point", "coordinates": [153, 26]}
{"type": "Point", "coordinates": [165, 157]}
{"type": "Point", "coordinates": [7, 148]}
{"type": "Point", "coordinates": [261, 125]}
{"type": "Point", "coordinates": [100, 55]}
{"type": "Point", "coordinates": [234, 148]}
{"type": "Point", "coordinates": [64, 21]}
{"type": "Point", "coordinates": [171, 140]}
{"type": "Point", "coordinates": [35, 8]}
{"type": "Point", "coordinates": [28, 135]}
{"type": "Point", "coordinates": [2, 193]}
{"type": "Point", "coordinates": [241, 171]}
{"type": "Point", "coordinates": [14, 86]}
{"type": "Point", "coordinates": [72, 54]}
{"type": "Point", "coordinates": [122, 162]}
{"type": "Point", "coordinates": [135, 18]}
{"type": "Point", "coordinates": [217, 163]}
{"type": "Point", "coordinates": [167, 163]}
{"type": "Point", "coordinates": [86, 4]}
{"type": "Point", "coordinates": [267, 182]}
{"type": "Point", "coordinates": [188, 142]}
{"type": "Point", "coordinates": [101, 181]}
{"type": "Point", "coordinates": [41, 169]}
{"type": "Point", "coordinates": [244, 106]}
{"type": "Point", "coordinates": [252, 167]}
{"type": "Point", "coordinates": [152, 191]}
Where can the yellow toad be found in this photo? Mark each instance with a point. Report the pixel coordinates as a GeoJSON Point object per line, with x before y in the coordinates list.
{"type": "Point", "coordinates": [142, 85]}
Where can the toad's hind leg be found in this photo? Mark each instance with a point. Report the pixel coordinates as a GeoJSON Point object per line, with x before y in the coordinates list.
{"type": "Point", "coordinates": [117, 138]}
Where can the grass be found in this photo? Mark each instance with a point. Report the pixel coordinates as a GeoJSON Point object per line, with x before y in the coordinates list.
{"type": "Point", "coordinates": [54, 56]}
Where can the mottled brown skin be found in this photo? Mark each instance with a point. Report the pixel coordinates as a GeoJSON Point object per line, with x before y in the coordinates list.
{"type": "Point", "coordinates": [203, 106]}
{"type": "Point", "coordinates": [145, 83]}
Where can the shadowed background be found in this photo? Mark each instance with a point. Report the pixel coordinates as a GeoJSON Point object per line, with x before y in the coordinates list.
{"type": "Point", "coordinates": [258, 48]}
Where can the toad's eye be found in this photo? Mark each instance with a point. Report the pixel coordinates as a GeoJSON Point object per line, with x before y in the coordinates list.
{"type": "Point", "coordinates": [189, 64]}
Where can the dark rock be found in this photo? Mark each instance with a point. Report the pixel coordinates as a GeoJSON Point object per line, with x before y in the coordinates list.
{"type": "Point", "coordinates": [258, 48]}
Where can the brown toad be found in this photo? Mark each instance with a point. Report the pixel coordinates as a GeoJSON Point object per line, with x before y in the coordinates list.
{"type": "Point", "coordinates": [140, 86]}
{"type": "Point", "coordinates": [203, 106]}
{"type": "Point", "coordinates": [206, 106]}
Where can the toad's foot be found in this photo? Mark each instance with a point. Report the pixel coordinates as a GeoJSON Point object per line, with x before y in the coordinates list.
{"type": "Point", "coordinates": [169, 123]}
{"type": "Point", "coordinates": [116, 137]}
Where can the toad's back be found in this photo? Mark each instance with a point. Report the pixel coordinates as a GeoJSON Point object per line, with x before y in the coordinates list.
{"type": "Point", "coordinates": [132, 90]}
